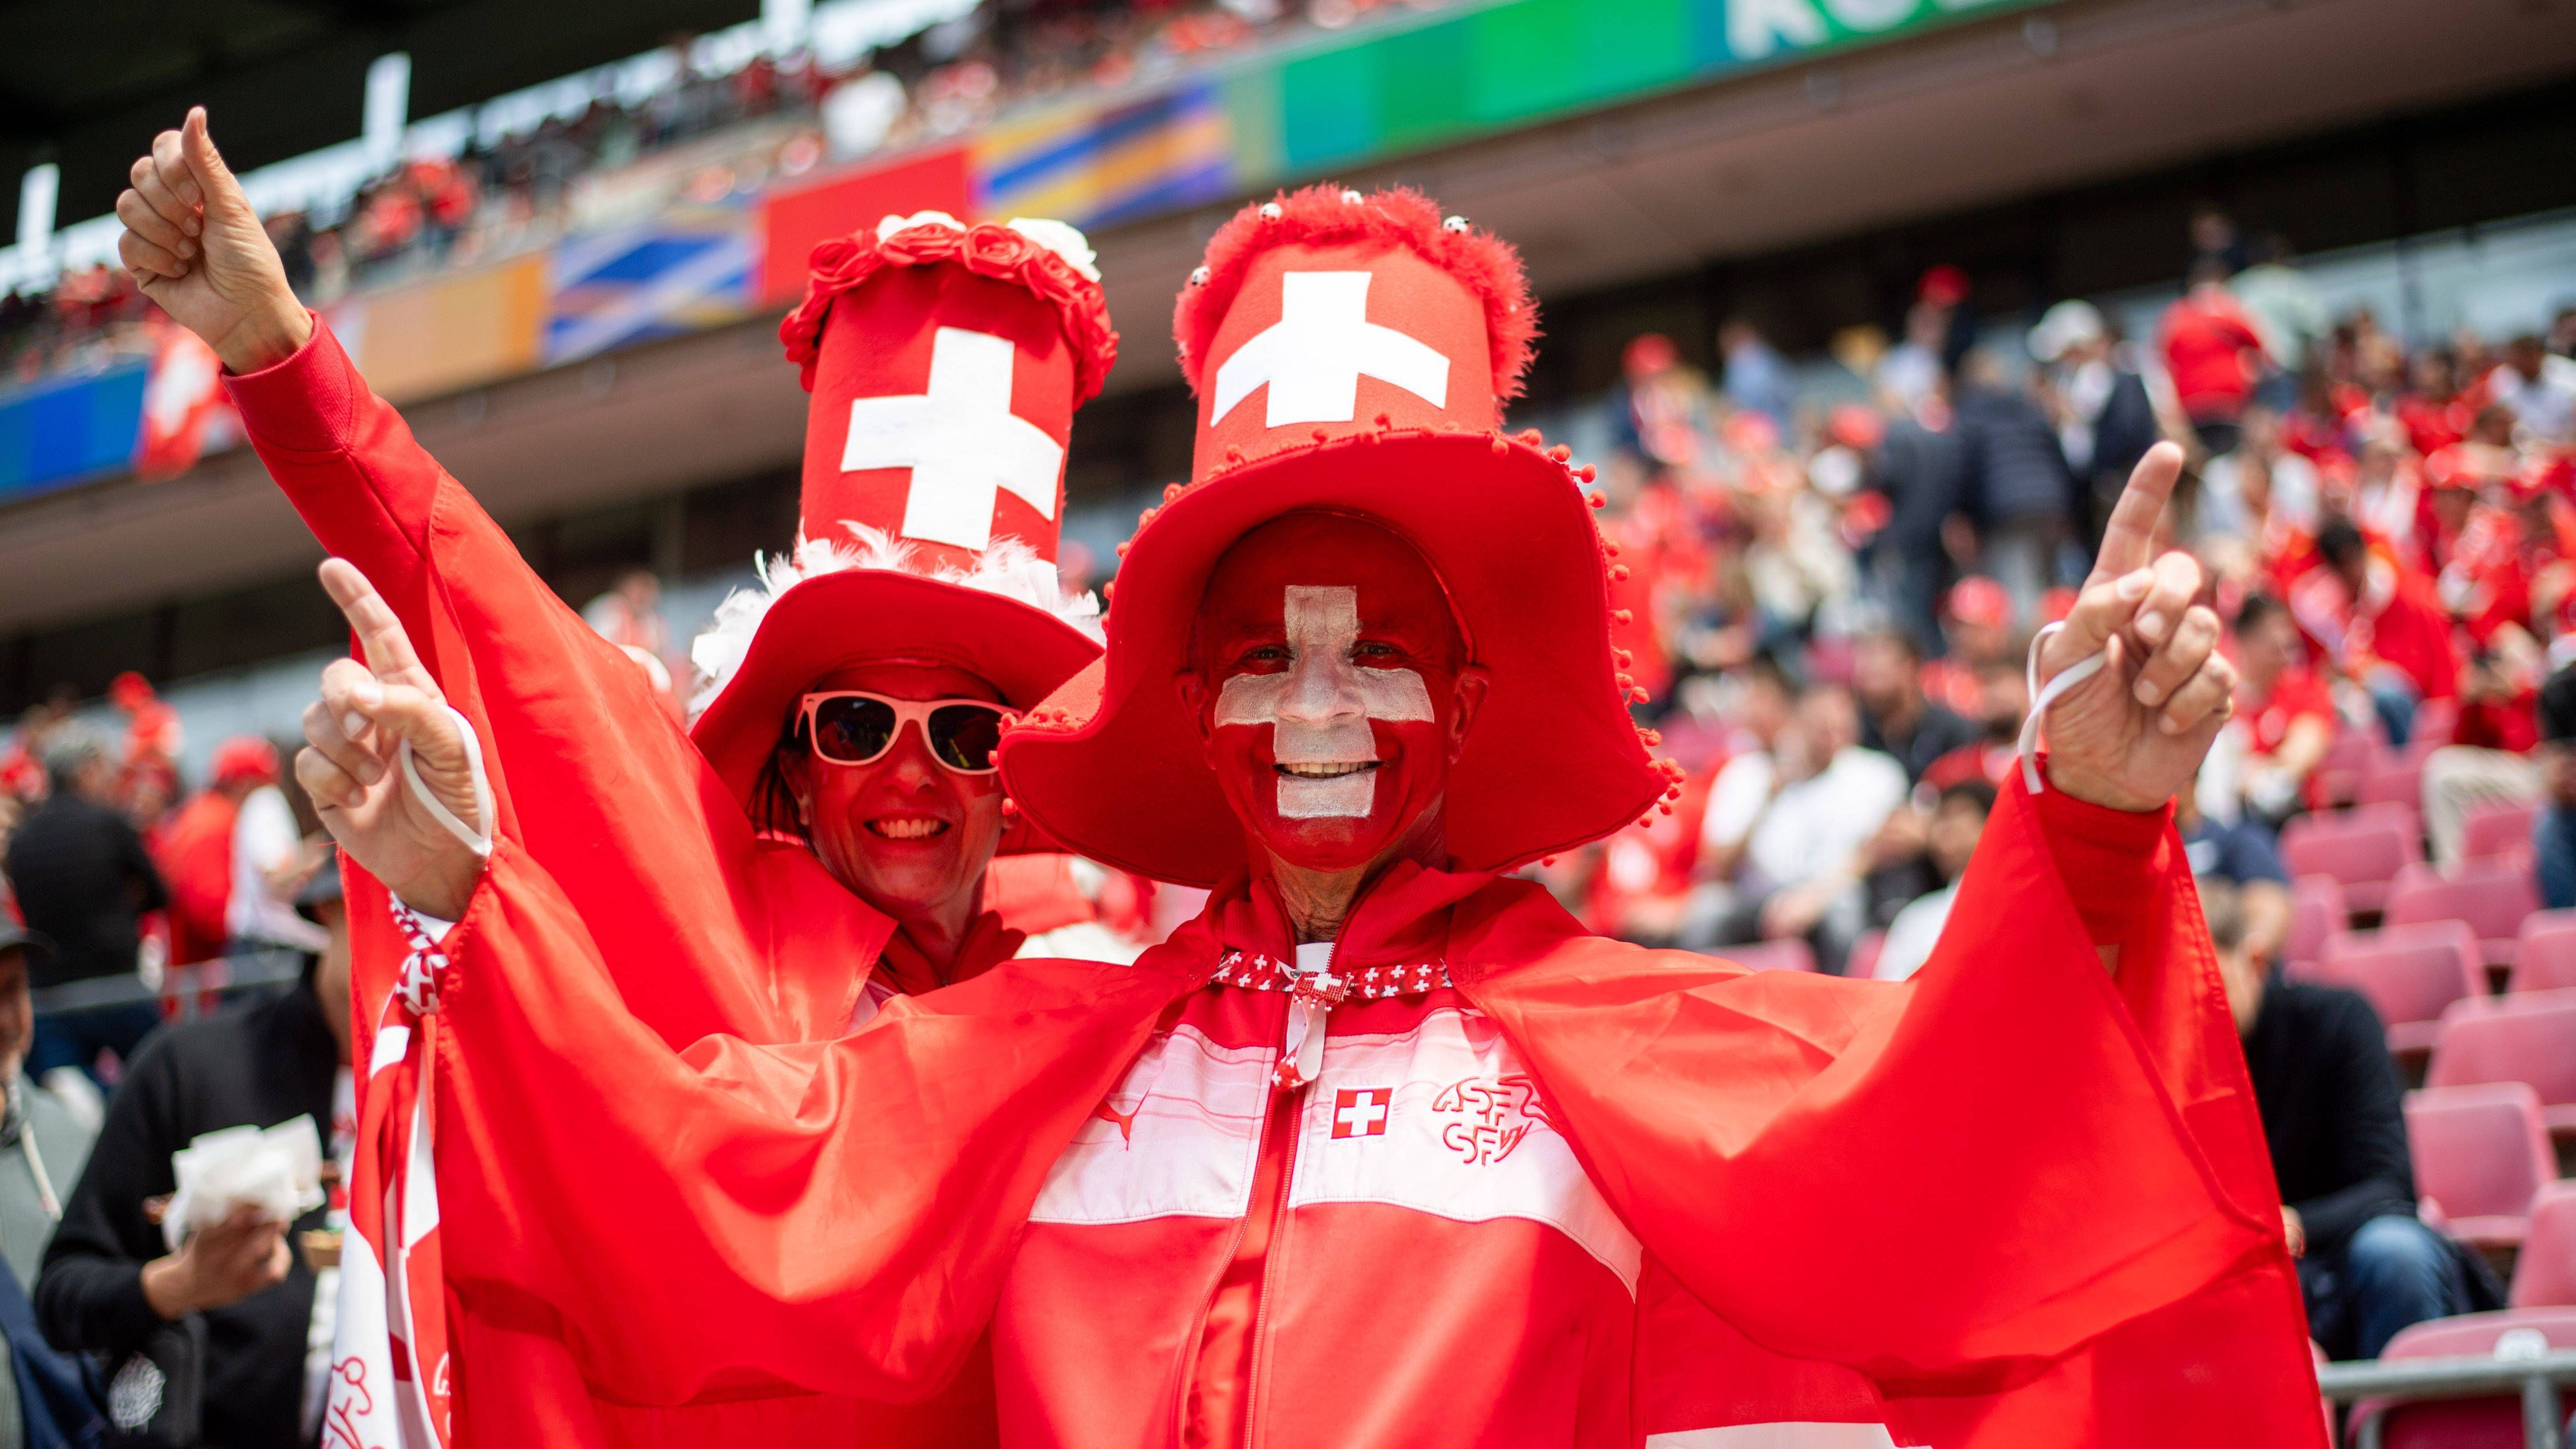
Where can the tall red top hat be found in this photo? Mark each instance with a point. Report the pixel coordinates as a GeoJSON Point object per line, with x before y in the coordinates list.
{"type": "Point", "coordinates": [945, 364]}
{"type": "Point", "coordinates": [1352, 354]}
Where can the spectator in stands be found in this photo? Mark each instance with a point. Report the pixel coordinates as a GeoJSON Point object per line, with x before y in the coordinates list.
{"type": "Point", "coordinates": [2553, 841]}
{"type": "Point", "coordinates": [1756, 380]}
{"type": "Point", "coordinates": [2247, 856]}
{"type": "Point", "coordinates": [272, 860]}
{"type": "Point", "coordinates": [2019, 491]}
{"type": "Point", "coordinates": [2383, 625]}
{"type": "Point", "coordinates": [2285, 721]}
{"type": "Point", "coordinates": [42, 1149]}
{"type": "Point", "coordinates": [2328, 1093]}
{"type": "Point", "coordinates": [83, 879]}
{"type": "Point", "coordinates": [2105, 421]}
{"type": "Point", "coordinates": [2287, 311]}
{"type": "Point", "coordinates": [1921, 466]}
{"type": "Point", "coordinates": [2540, 389]}
{"type": "Point", "coordinates": [195, 849]}
{"type": "Point", "coordinates": [1958, 819]}
{"type": "Point", "coordinates": [1895, 718]}
{"type": "Point", "coordinates": [2213, 354]}
{"type": "Point", "coordinates": [1818, 800]}
{"type": "Point", "coordinates": [234, 1303]}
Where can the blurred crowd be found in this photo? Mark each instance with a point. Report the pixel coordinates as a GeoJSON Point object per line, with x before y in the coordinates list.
{"type": "Point", "coordinates": [734, 124]}
{"type": "Point", "coordinates": [1831, 579]}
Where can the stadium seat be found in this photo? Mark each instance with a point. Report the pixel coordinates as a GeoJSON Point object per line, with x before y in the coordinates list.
{"type": "Point", "coordinates": [2544, 954]}
{"type": "Point", "coordinates": [1864, 954]}
{"type": "Point", "coordinates": [2544, 1274]}
{"type": "Point", "coordinates": [2488, 1423]}
{"type": "Point", "coordinates": [2339, 773]}
{"type": "Point", "coordinates": [2394, 777]}
{"type": "Point", "coordinates": [2410, 973]}
{"type": "Point", "coordinates": [2498, 832]}
{"type": "Point", "coordinates": [2529, 1039]}
{"type": "Point", "coordinates": [2363, 849]}
{"type": "Point", "coordinates": [2493, 897]}
{"type": "Point", "coordinates": [2436, 720]}
{"type": "Point", "coordinates": [2316, 912]}
{"type": "Point", "coordinates": [2481, 1154]}
{"type": "Point", "coordinates": [1789, 955]}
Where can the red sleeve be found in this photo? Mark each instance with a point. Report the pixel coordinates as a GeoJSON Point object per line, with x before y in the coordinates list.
{"type": "Point", "coordinates": [735, 1218]}
{"type": "Point", "coordinates": [2002, 1159]}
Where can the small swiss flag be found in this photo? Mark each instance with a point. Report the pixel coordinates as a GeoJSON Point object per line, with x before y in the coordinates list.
{"type": "Point", "coordinates": [1361, 1111]}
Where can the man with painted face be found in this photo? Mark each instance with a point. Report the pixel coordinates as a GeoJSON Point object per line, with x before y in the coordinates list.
{"type": "Point", "coordinates": [819, 841]}
{"type": "Point", "coordinates": [1389, 1152]}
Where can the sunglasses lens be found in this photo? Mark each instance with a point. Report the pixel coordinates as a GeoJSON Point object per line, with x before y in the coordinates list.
{"type": "Point", "coordinates": [965, 735]}
{"type": "Point", "coordinates": [852, 731]}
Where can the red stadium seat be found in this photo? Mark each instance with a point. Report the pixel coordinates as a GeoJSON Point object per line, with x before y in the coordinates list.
{"type": "Point", "coordinates": [2544, 1274]}
{"type": "Point", "coordinates": [2363, 849]}
{"type": "Point", "coordinates": [1864, 955]}
{"type": "Point", "coordinates": [2394, 777]}
{"type": "Point", "coordinates": [2498, 832]}
{"type": "Point", "coordinates": [2481, 1154]}
{"type": "Point", "coordinates": [2316, 912]}
{"type": "Point", "coordinates": [2544, 954]}
{"type": "Point", "coordinates": [2493, 897]}
{"type": "Point", "coordinates": [2489, 1423]}
{"type": "Point", "coordinates": [2529, 1039]}
{"type": "Point", "coordinates": [2436, 720]}
{"type": "Point", "coordinates": [2339, 773]}
{"type": "Point", "coordinates": [1790, 955]}
{"type": "Point", "coordinates": [2410, 973]}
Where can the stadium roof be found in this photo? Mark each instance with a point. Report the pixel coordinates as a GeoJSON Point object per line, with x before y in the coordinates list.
{"type": "Point", "coordinates": [86, 84]}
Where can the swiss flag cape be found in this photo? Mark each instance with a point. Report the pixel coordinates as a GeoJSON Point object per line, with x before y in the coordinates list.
{"type": "Point", "coordinates": [2025, 1200]}
{"type": "Point", "coordinates": [674, 917]}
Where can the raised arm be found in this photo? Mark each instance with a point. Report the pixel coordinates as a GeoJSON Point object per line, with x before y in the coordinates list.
{"type": "Point", "coordinates": [586, 770]}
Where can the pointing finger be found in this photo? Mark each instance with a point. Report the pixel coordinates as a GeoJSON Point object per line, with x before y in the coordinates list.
{"type": "Point", "coordinates": [2129, 540]}
{"type": "Point", "coordinates": [380, 633]}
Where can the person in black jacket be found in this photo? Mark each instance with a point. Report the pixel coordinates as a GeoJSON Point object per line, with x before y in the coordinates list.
{"type": "Point", "coordinates": [2019, 490]}
{"type": "Point", "coordinates": [111, 1287]}
{"type": "Point", "coordinates": [2330, 1102]}
{"type": "Point", "coordinates": [83, 880]}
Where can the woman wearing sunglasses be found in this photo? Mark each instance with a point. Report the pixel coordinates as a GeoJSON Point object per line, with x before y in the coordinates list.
{"type": "Point", "coordinates": [629, 890]}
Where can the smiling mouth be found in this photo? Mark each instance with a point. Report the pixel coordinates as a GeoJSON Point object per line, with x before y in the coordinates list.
{"type": "Point", "coordinates": [1334, 771]}
{"type": "Point", "coordinates": [908, 827]}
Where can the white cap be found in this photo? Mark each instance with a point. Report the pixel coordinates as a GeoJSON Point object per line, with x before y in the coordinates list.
{"type": "Point", "coordinates": [2068, 324]}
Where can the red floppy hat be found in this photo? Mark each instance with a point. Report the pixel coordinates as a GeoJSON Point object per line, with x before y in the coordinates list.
{"type": "Point", "coordinates": [945, 363]}
{"type": "Point", "coordinates": [1352, 354]}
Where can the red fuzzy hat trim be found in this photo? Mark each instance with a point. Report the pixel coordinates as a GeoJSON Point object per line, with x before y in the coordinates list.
{"type": "Point", "coordinates": [1319, 214]}
{"type": "Point", "coordinates": [986, 250]}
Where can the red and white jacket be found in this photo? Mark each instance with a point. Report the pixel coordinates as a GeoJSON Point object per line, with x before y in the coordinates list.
{"type": "Point", "coordinates": [1541, 1189]}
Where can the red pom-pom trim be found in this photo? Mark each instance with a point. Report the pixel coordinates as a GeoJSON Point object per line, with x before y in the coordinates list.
{"type": "Point", "coordinates": [987, 250]}
{"type": "Point", "coordinates": [1318, 214]}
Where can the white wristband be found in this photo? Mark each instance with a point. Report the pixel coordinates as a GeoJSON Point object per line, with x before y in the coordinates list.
{"type": "Point", "coordinates": [478, 841]}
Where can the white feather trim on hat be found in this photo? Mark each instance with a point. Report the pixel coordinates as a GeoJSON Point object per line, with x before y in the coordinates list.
{"type": "Point", "coordinates": [1007, 567]}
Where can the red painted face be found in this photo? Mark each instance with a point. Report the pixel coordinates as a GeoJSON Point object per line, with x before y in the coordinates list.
{"type": "Point", "coordinates": [1331, 689]}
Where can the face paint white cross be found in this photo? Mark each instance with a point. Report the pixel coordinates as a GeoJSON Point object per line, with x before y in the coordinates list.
{"type": "Point", "coordinates": [1322, 705]}
{"type": "Point", "coordinates": [1314, 356]}
{"type": "Point", "coordinates": [961, 440]}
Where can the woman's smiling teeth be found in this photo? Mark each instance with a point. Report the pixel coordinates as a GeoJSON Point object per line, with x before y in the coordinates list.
{"type": "Point", "coordinates": [908, 827]}
{"type": "Point", "coordinates": [1333, 771]}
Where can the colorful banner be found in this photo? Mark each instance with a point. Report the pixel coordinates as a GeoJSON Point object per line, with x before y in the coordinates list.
{"type": "Point", "coordinates": [446, 333]}
{"type": "Point", "coordinates": [793, 219]}
{"type": "Point", "coordinates": [665, 277]}
{"type": "Point", "coordinates": [69, 429]}
{"type": "Point", "coordinates": [1097, 166]}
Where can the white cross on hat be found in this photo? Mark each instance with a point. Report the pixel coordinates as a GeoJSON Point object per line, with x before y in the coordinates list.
{"type": "Point", "coordinates": [961, 440]}
{"type": "Point", "coordinates": [1314, 356]}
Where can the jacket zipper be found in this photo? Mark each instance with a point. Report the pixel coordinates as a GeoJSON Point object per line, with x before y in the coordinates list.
{"type": "Point", "coordinates": [1281, 1133]}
